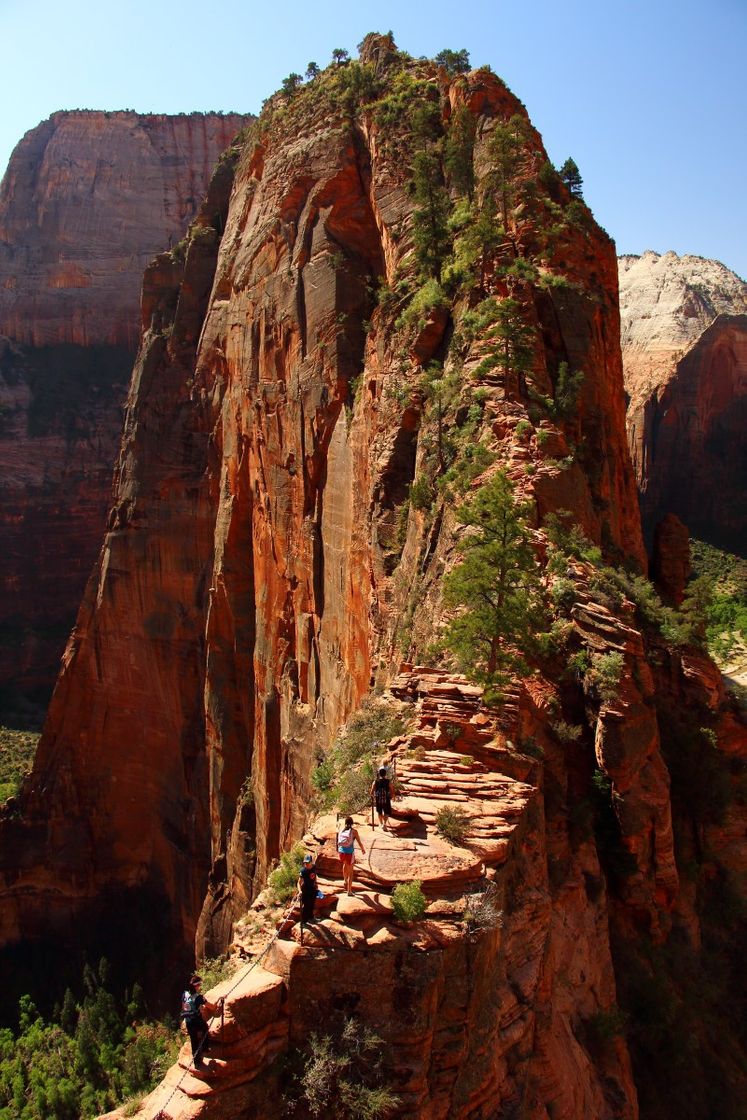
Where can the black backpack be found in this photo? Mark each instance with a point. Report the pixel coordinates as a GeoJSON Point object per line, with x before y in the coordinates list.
{"type": "Point", "coordinates": [190, 1006]}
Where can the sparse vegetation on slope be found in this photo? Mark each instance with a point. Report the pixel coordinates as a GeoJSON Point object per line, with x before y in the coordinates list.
{"type": "Point", "coordinates": [90, 1054]}
{"type": "Point", "coordinates": [725, 576]}
{"type": "Point", "coordinates": [17, 749]}
{"type": "Point", "coordinates": [343, 777]}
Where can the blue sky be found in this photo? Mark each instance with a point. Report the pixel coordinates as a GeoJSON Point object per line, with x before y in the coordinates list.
{"type": "Point", "coordinates": [648, 96]}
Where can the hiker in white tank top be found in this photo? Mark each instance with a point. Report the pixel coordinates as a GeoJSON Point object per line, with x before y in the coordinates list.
{"type": "Point", "coordinates": [347, 838]}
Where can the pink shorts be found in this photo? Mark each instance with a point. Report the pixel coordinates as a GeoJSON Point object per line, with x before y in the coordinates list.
{"type": "Point", "coordinates": [346, 857]}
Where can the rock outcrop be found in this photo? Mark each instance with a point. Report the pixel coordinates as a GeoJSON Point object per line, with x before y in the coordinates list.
{"type": "Point", "coordinates": [473, 999]}
{"type": "Point", "coordinates": [306, 411]}
{"type": "Point", "coordinates": [684, 343]}
{"type": "Point", "coordinates": [87, 200]}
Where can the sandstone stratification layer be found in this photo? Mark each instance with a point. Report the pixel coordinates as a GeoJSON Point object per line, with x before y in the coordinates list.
{"type": "Point", "coordinates": [684, 343]}
{"type": "Point", "coordinates": [87, 200]}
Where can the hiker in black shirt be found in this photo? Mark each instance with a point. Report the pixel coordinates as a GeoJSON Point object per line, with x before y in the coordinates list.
{"type": "Point", "coordinates": [381, 795]}
{"type": "Point", "coordinates": [307, 889]}
{"type": "Point", "coordinates": [193, 1002]}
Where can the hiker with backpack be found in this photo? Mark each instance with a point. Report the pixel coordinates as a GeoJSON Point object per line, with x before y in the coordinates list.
{"type": "Point", "coordinates": [381, 797]}
{"type": "Point", "coordinates": [193, 1002]}
{"type": "Point", "coordinates": [347, 838]}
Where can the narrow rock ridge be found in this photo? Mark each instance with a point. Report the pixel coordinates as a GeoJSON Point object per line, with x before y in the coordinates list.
{"type": "Point", "coordinates": [684, 344]}
{"type": "Point", "coordinates": [476, 1016]}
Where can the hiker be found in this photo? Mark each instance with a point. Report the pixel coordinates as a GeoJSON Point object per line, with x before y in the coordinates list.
{"type": "Point", "coordinates": [381, 795]}
{"type": "Point", "coordinates": [307, 889]}
{"type": "Point", "coordinates": [193, 1002]}
{"type": "Point", "coordinates": [347, 838]}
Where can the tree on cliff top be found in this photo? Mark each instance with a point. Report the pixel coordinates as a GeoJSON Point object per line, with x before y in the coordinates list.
{"type": "Point", "coordinates": [571, 176]}
{"type": "Point", "coordinates": [453, 62]}
{"type": "Point", "coordinates": [291, 84]}
{"type": "Point", "coordinates": [497, 585]}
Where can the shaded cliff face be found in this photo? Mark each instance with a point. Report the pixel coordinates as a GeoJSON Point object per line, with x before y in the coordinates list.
{"type": "Point", "coordinates": [267, 562]}
{"type": "Point", "coordinates": [87, 200]}
{"type": "Point", "coordinates": [684, 341]}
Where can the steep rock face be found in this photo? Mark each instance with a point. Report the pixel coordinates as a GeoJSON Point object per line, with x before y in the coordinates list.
{"type": "Point", "coordinates": [87, 200]}
{"type": "Point", "coordinates": [684, 341]}
{"type": "Point", "coordinates": [253, 539]}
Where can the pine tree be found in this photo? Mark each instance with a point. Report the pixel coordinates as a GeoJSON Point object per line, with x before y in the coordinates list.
{"type": "Point", "coordinates": [497, 585]}
{"type": "Point", "coordinates": [571, 176]}
{"type": "Point", "coordinates": [507, 149]}
{"type": "Point", "coordinates": [431, 217]}
{"type": "Point", "coordinates": [340, 56]}
{"type": "Point", "coordinates": [504, 321]}
{"type": "Point", "coordinates": [291, 84]}
{"type": "Point", "coordinates": [482, 236]}
{"type": "Point", "coordinates": [459, 151]}
{"type": "Point", "coordinates": [312, 71]}
{"type": "Point", "coordinates": [453, 62]}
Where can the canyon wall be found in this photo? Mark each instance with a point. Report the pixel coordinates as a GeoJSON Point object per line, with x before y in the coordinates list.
{"type": "Point", "coordinates": [684, 342]}
{"type": "Point", "coordinates": [87, 200]}
{"type": "Point", "coordinates": [266, 564]}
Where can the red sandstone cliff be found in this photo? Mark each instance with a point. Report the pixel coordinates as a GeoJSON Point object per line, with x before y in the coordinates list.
{"type": "Point", "coordinates": [87, 200]}
{"type": "Point", "coordinates": [264, 566]}
{"type": "Point", "coordinates": [684, 342]}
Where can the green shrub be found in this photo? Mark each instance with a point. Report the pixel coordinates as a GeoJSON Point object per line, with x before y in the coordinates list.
{"type": "Point", "coordinates": [84, 1060]}
{"type": "Point", "coordinates": [452, 730]}
{"type": "Point", "coordinates": [605, 673]}
{"type": "Point", "coordinates": [353, 791]}
{"type": "Point", "coordinates": [428, 298]}
{"type": "Point", "coordinates": [323, 776]}
{"type": "Point", "coordinates": [421, 493]}
{"type": "Point", "coordinates": [369, 730]}
{"type": "Point", "coordinates": [567, 390]}
{"type": "Point", "coordinates": [214, 970]}
{"type": "Point", "coordinates": [344, 1076]}
{"type": "Point", "coordinates": [17, 749]}
{"type": "Point", "coordinates": [531, 747]}
{"type": "Point", "coordinates": [563, 594]}
{"type": "Point", "coordinates": [567, 732]}
{"type": "Point", "coordinates": [408, 901]}
{"type": "Point", "coordinates": [283, 881]}
{"type": "Point", "coordinates": [452, 824]}
{"type": "Point", "coordinates": [523, 428]}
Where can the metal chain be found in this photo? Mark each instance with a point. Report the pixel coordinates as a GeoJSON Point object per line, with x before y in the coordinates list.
{"type": "Point", "coordinates": [162, 1114]}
